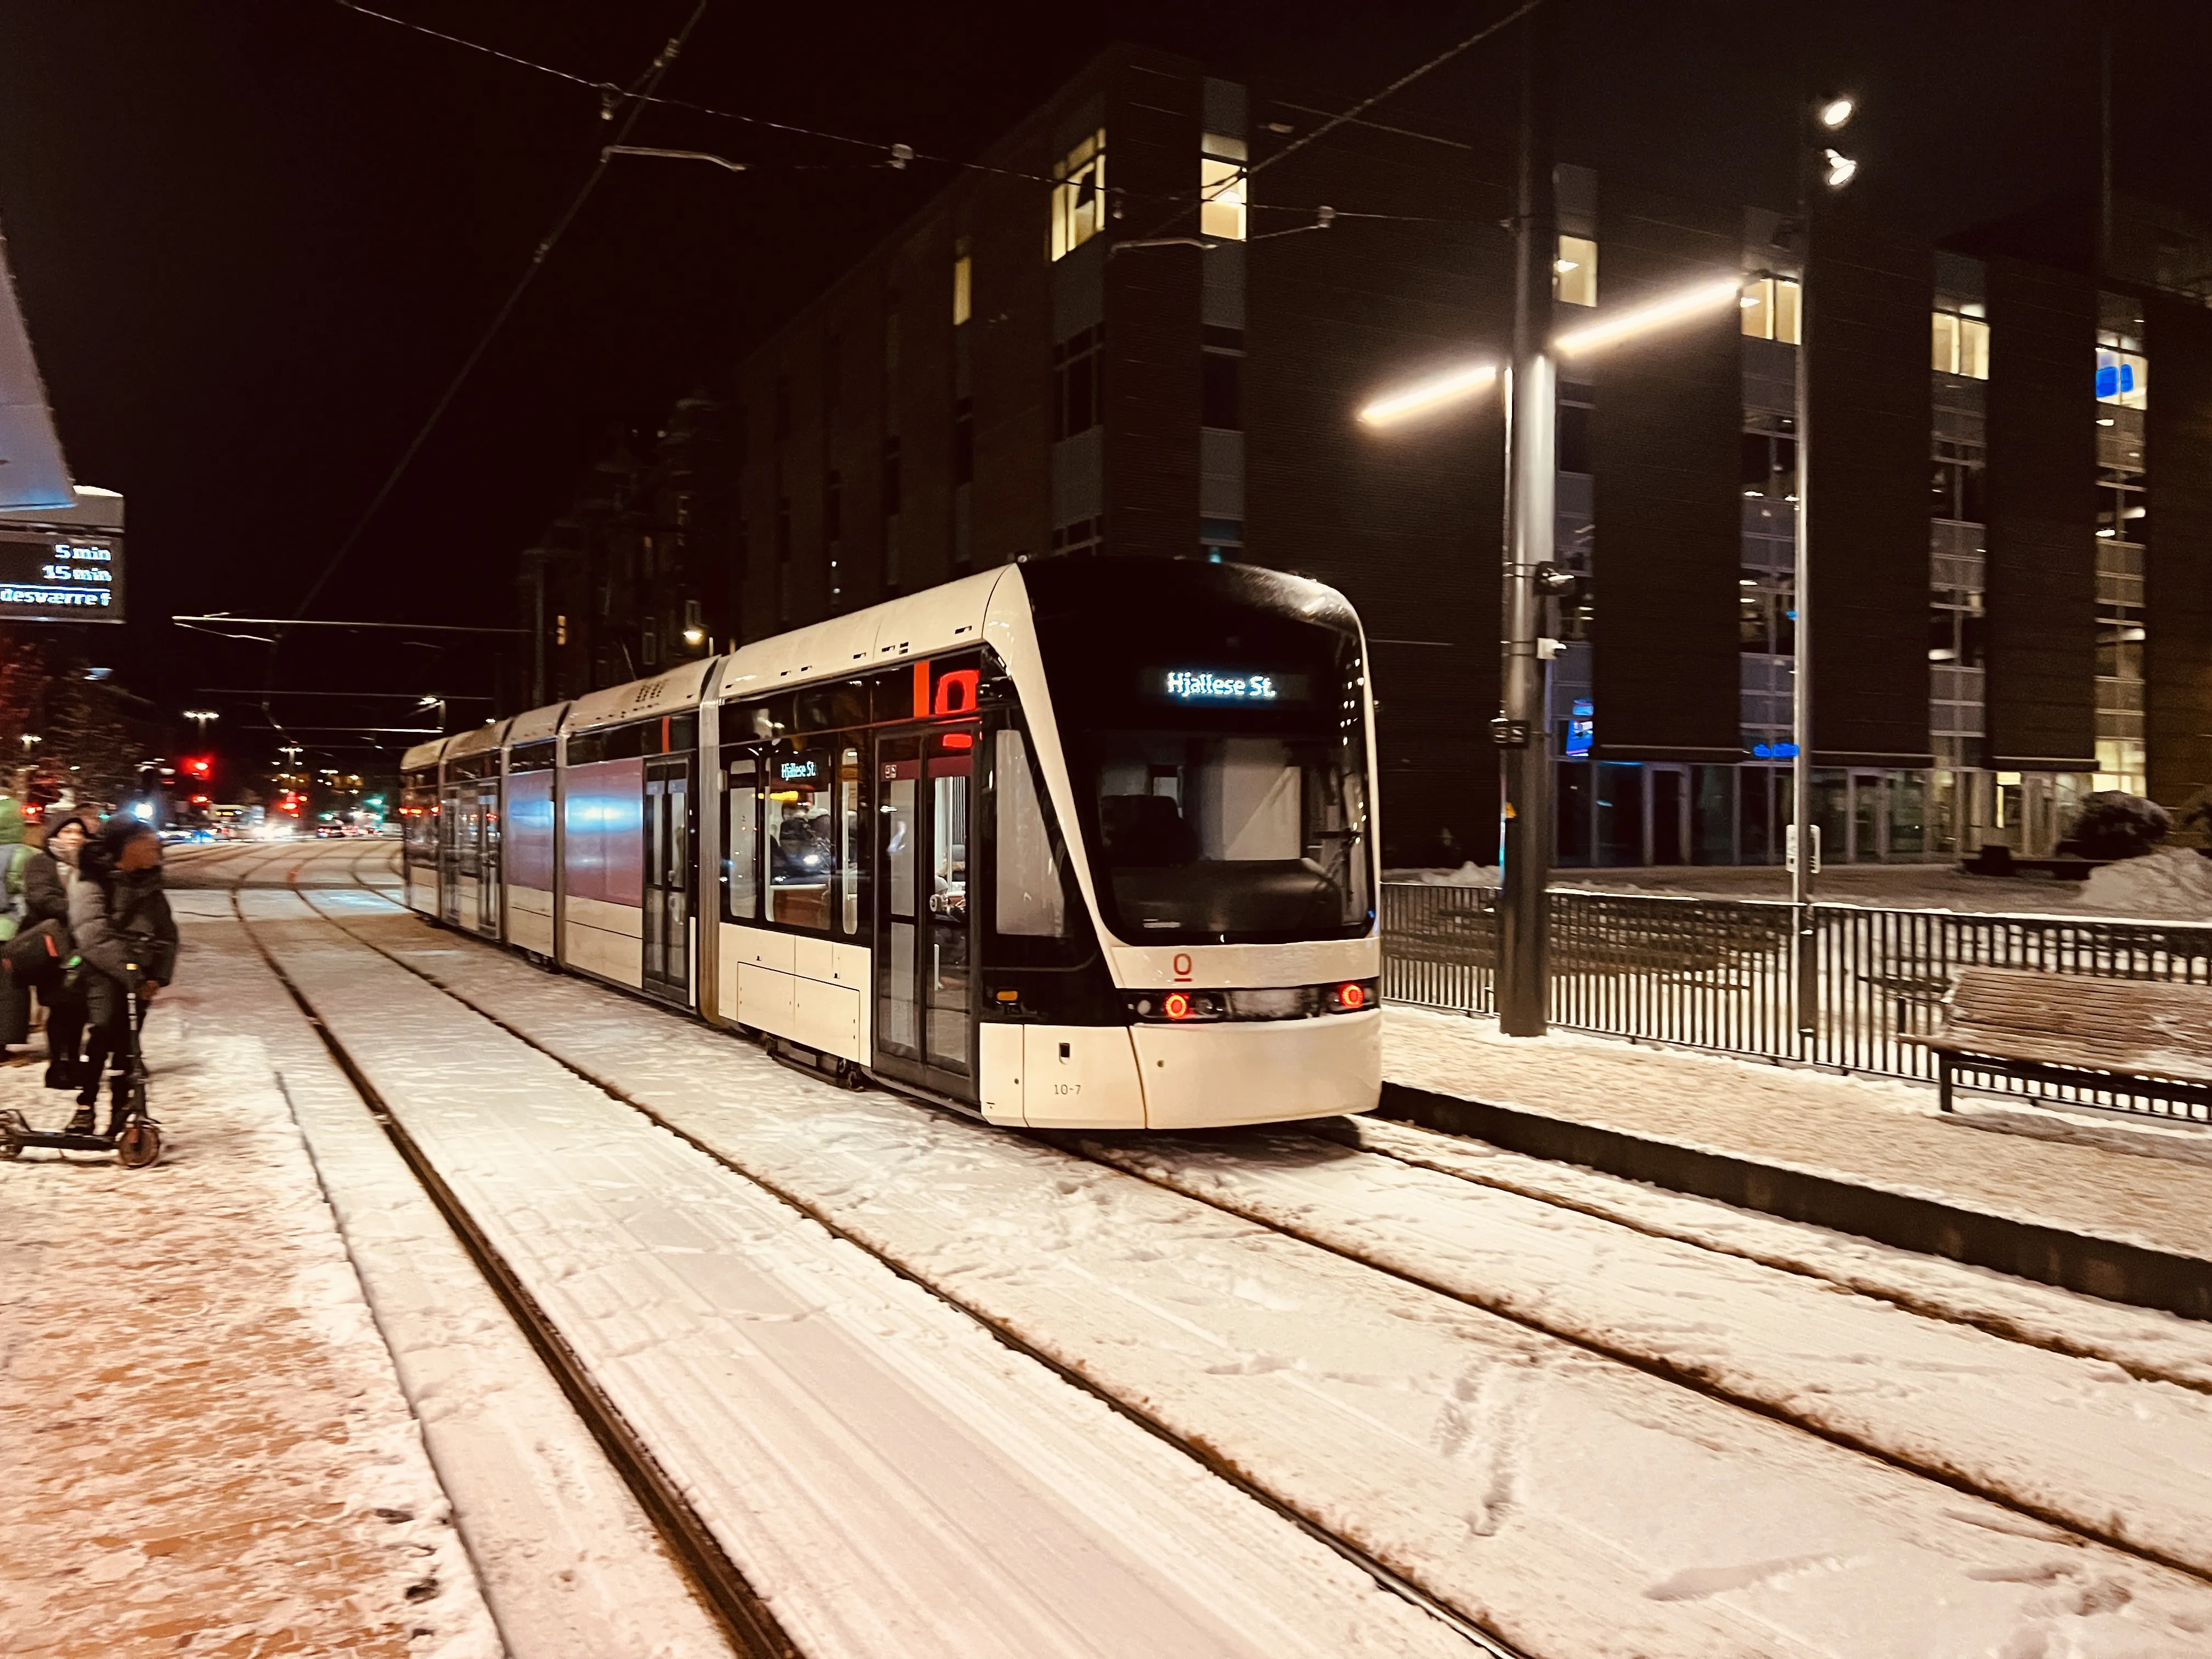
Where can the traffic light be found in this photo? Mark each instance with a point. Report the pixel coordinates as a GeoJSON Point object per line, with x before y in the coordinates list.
{"type": "Point", "coordinates": [198, 767]}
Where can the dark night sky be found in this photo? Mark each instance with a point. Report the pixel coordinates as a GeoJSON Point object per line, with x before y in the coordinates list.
{"type": "Point", "coordinates": [254, 238]}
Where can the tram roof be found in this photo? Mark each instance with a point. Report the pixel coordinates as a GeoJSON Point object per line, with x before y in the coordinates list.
{"type": "Point", "coordinates": [672, 693]}
{"type": "Point", "coordinates": [941, 619]}
{"type": "Point", "coordinates": [536, 724]}
{"type": "Point", "coordinates": [489, 735]}
{"type": "Point", "coordinates": [423, 754]}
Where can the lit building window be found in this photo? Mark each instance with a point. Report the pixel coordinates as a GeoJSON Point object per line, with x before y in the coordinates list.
{"type": "Point", "coordinates": [2122, 377]}
{"type": "Point", "coordinates": [1961, 345]}
{"type": "Point", "coordinates": [1574, 271]}
{"type": "Point", "coordinates": [2121, 765]}
{"type": "Point", "coordinates": [963, 278]}
{"type": "Point", "coordinates": [1079, 200]}
{"type": "Point", "coordinates": [1221, 187]}
{"type": "Point", "coordinates": [1770, 309]}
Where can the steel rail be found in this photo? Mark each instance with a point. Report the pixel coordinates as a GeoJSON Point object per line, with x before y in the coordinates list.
{"type": "Point", "coordinates": [1482, 1640]}
{"type": "Point", "coordinates": [745, 1616]}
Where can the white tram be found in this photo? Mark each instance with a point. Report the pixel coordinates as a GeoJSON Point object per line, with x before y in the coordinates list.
{"type": "Point", "coordinates": [1083, 844]}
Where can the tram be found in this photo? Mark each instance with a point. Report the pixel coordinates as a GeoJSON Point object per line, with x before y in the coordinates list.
{"type": "Point", "coordinates": [1086, 842]}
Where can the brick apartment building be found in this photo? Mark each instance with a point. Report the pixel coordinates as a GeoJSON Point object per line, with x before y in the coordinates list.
{"type": "Point", "coordinates": [1068, 347]}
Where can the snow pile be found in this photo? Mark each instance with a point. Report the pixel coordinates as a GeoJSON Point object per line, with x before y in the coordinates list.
{"type": "Point", "coordinates": [1470, 874]}
{"type": "Point", "coordinates": [2173, 883]}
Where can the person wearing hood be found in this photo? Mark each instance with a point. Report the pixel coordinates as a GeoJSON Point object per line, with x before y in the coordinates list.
{"type": "Point", "coordinates": [49, 876]}
{"type": "Point", "coordinates": [126, 943]}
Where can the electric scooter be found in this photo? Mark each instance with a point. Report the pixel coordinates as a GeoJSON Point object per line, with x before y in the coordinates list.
{"type": "Point", "coordinates": [136, 1139]}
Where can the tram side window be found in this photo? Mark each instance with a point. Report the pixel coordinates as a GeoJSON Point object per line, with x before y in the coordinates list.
{"type": "Point", "coordinates": [848, 839]}
{"type": "Point", "coordinates": [801, 837]}
{"type": "Point", "coordinates": [418, 805]}
{"type": "Point", "coordinates": [1031, 902]}
{"type": "Point", "coordinates": [741, 844]}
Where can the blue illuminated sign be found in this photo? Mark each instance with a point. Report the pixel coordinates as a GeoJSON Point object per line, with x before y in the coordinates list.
{"type": "Point", "coordinates": [1774, 751]}
{"type": "Point", "coordinates": [2114, 378]}
{"type": "Point", "coordinates": [1203, 685]}
{"type": "Point", "coordinates": [799, 771]}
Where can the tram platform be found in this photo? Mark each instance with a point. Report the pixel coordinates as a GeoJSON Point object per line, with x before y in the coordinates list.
{"type": "Point", "coordinates": [2119, 1209]}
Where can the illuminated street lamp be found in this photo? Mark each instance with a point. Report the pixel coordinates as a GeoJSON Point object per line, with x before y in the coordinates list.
{"type": "Point", "coordinates": [1520, 730]}
{"type": "Point", "coordinates": [200, 717]}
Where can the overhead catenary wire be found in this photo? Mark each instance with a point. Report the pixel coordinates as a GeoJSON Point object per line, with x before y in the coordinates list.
{"type": "Point", "coordinates": [646, 81]}
{"type": "Point", "coordinates": [895, 154]}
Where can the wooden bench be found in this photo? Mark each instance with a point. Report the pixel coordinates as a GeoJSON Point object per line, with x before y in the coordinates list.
{"type": "Point", "coordinates": [2131, 1035]}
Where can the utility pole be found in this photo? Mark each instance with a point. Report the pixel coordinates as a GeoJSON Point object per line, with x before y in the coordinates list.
{"type": "Point", "coordinates": [1820, 170]}
{"type": "Point", "coordinates": [1522, 732]}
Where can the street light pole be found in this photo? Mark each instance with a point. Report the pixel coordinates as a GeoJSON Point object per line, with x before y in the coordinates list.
{"type": "Point", "coordinates": [1521, 731]}
{"type": "Point", "coordinates": [1831, 114]}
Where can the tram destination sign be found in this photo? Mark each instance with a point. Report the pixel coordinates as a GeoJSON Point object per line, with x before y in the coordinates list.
{"type": "Point", "coordinates": [54, 575]}
{"type": "Point", "coordinates": [1228, 686]}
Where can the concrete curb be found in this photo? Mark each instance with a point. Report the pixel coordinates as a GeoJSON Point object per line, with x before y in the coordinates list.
{"type": "Point", "coordinates": [2095, 1267]}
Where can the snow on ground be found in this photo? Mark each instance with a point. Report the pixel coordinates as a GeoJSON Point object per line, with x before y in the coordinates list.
{"type": "Point", "coordinates": [1582, 1508]}
{"type": "Point", "coordinates": [892, 1479]}
{"type": "Point", "coordinates": [569, 1565]}
{"type": "Point", "coordinates": [206, 1449]}
{"type": "Point", "coordinates": [2173, 881]}
{"type": "Point", "coordinates": [2145, 1341]}
{"type": "Point", "coordinates": [2077, 1441]}
{"type": "Point", "coordinates": [1878, 1133]}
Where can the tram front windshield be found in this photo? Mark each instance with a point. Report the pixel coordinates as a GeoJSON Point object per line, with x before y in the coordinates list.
{"type": "Point", "coordinates": [1217, 740]}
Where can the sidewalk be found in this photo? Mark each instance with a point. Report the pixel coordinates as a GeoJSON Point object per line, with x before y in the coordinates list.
{"type": "Point", "coordinates": [207, 1449]}
{"type": "Point", "coordinates": [2134, 1187]}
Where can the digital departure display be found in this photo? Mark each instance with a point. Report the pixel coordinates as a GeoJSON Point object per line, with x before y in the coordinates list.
{"type": "Point", "coordinates": [53, 576]}
{"type": "Point", "coordinates": [1227, 686]}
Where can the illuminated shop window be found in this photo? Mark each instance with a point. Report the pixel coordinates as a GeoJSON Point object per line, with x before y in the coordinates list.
{"type": "Point", "coordinates": [1221, 187]}
{"type": "Point", "coordinates": [1960, 344]}
{"type": "Point", "coordinates": [1770, 309]}
{"type": "Point", "coordinates": [1079, 200]}
{"type": "Point", "coordinates": [1574, 271]}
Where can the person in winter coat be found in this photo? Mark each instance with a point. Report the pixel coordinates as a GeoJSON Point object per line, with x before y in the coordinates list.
{"type": "Point", "coordinates": [126, 941]}
{"type": "Point", "coordinates": [48, 877]}
{"type": "Point", "coordinates": [15, 998]}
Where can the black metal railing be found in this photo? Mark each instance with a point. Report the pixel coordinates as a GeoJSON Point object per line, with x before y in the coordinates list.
{"type": "Point", "coordinates": [1719, 974]}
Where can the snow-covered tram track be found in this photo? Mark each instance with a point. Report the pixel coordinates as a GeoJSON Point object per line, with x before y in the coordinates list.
{"type": "Point", "coordinates": [574, 1024]}
{"type": "Point", "coordinates": [1479, 1639]}
{"type": "Point", "coordinates": [2150, 1344]}
{"type": "Point", "coordinates": [1197, 1571]}
{"type": "Point", "coordinates": [744, 1617]}
{"type": "Point", "coordinates": [1791, 1372]}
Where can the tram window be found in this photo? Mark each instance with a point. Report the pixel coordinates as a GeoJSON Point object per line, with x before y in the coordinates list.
{"type": "Point", "coordinates": [832, 708]}
{"type": "Point", "coordinates": [1030, 900]}
{"type": "Point", "coordinates": [849, 838]}
{"type": "Point", "coordinates": [741, 844]}
{"type": "Point", "coordinates": [801, 845]}
{"type": "Point", "coordinates": [1225, 835]}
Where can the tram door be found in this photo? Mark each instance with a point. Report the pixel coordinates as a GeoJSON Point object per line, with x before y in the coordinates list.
{"type": "Point", "coordinates": [456, 836]}
{"type": "Point", "coordinates": [487, 826]}
{"type": "Point", "coordinates": [925, 1021]}
{"type": "Point", "coordinates": [668, 878]}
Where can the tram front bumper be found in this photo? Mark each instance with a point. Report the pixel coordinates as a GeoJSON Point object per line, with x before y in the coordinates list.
{"type": "Point", "coordinates": [1199, 1075]}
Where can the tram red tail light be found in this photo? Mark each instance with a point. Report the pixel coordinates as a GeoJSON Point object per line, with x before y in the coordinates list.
{"type": "Point", "coordinates": [1176, 1006]}
{"type": "Point", "coordinates": [1349, 995]}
